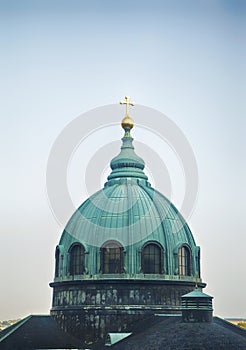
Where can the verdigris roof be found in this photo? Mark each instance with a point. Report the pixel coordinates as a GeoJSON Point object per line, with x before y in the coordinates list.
{"type": "Point", "coordinates": [128, 210]}
{"type": "Point", "coordinates": [196, 293]}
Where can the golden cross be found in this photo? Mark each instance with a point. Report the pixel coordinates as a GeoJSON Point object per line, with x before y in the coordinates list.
{"type": "Point", "coordinates": [128, 103]}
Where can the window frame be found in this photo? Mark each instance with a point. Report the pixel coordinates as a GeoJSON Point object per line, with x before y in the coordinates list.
{"type": "Point", "coordinates": [159, 264]}
{"type": "Point", "coordinates": [184, 261]}
{"type": "Point", "coordinates": [112, 262]}
{"type": "Point", "coordinates": [57, 261]}
{"type": "Point", "coordinates": [76, 260]}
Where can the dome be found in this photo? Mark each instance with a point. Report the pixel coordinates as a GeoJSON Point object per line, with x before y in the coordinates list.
{"type": "Point", "coordinates": [131, 211]}
{"type": "Point", "coordinates": [129, 214]}
{"type": "Point", "coordinates": [125, 253]}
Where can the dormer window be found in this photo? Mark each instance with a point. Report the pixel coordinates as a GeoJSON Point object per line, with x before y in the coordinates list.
{"type": "Point", "coordinates": [112, 259]}
{"type": "Point", "coordinates": [152, 258]}
{"type": "Point", "coordinates": [57, 263]}
{"type": "Point", "coordinates": [76, 259]}
{"type": "Point", "coordinates": [184, 257]}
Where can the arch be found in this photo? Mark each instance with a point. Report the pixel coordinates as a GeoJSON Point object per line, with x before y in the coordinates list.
{"type": "Point", "coordinates": [152, 258]}
{"type": "Point", "coordinates": [76, 259]}
{"type": "Point", "coordinates": [57, 262]}
{"type": "Point", "coordinates": [112, 257]}
{"type": "Point", "coordinates": [184, 261]}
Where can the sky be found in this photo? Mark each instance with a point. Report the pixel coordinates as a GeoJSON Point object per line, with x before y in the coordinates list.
{"type": "Point", "coordinates": [61, 59]}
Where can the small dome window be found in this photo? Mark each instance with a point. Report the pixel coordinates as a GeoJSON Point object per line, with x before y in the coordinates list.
{"type": "Point", "coordinates": [152, 258]}
{"type": "Point", "coordinates": [76, 259]}
{"type": "Point", "coordinates": [112, 258]}
{"type": "Point", "coordinates": [57, 263]}
{"type": "Point", "coordinates": [184, 259]}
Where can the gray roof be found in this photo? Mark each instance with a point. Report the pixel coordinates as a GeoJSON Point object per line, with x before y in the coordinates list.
{"type": "Point", "coordinates": [37, 332]}
{"type": "Point", "coordinates": [155, 333]}
{"type": "Point", "coordinates": [171, 333]}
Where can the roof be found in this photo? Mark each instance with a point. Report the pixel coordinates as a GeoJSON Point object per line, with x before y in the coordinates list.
{"type": "Point", "coordinates": [128, 210]}
{"type": "Point", "coordinates": [36, 332]}
{"type": "Point", "coordinates": [196, 293]}
{"type": "Point", "coordinates": [172, 333]}
{"type": "Point", "coordinates": [156, 332]}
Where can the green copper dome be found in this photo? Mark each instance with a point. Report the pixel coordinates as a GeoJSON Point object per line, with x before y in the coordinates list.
{"type": "Point", "coordinates": [126, 253]}
{"type": "Point", "coordinates": [128, 228]}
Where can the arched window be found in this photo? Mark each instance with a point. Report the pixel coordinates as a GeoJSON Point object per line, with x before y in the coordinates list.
{"type": "Point", "coordinates": [152, 258]}
{"type": "Point", "coordinates": [198, 264]}
{"type": "Point", "coordinates": [57, 264]}
{"type": "Point", "coordinates": [112, 257]}
{"type": "Point", "coordinates": [184, 261]}
{"type": "Point", "coordinates": [77, 259]}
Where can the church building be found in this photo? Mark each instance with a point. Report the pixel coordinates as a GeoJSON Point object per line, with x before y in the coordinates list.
{"type": "Point", "coordinates": [127, 274]}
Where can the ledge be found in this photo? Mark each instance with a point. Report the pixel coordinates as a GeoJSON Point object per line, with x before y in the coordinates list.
{"type": "Point", "coordinates": [127, 279]}
{"type": "Point", "coordinates": [124, 276]}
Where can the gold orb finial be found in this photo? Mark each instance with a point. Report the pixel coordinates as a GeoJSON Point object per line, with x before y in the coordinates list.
{"type": "Point", "coordinates": [127, 123]}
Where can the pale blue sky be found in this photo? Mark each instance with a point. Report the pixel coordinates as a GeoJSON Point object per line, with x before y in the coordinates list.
{"type": "Point", "coordinates": [62, 58]}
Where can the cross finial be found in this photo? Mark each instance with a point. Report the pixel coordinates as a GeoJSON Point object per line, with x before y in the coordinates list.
{"type": "Point", "coordinates": [128, 103]}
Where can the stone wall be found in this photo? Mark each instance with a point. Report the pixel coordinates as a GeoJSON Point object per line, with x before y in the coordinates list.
{"type": "Point", "coordinates": [91, 309]}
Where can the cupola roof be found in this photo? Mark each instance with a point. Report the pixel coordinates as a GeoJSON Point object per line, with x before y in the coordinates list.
{"type": "Point", "coordinates": [130, 211]}
{"type": "Point", "coordinates": [127, 164]}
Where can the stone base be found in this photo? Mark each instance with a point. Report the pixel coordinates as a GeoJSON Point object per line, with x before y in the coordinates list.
{"type": "Point", "coordinates": [91, 309]}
